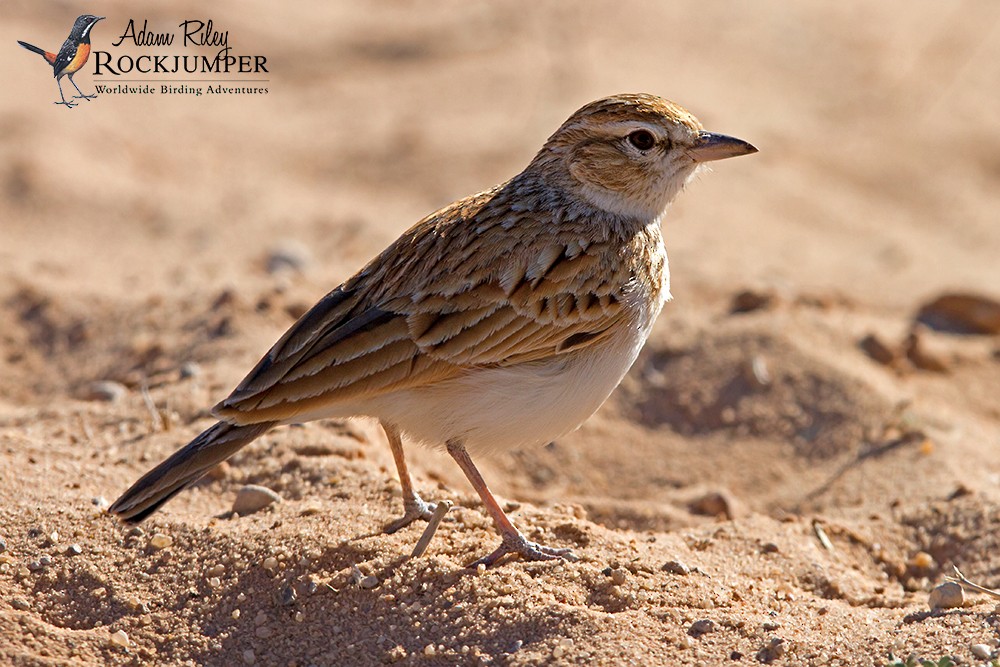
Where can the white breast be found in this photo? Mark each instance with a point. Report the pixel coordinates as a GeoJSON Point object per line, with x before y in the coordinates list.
{"type": "Point", "coordinates": [517, 406]}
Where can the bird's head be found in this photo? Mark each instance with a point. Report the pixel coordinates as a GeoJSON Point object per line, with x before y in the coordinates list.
{"type": "Point", "coordinates": [83, 25]}
{"type": "Point", "coordinates": [631, 154]}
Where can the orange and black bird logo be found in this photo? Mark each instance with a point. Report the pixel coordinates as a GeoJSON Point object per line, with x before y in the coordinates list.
{"type": "Point", "coordinates": [71, 57]}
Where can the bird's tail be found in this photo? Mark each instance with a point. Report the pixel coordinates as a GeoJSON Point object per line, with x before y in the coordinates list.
{"type": "Point", "coordinates": [50, 57]}
{"type": "Point", "coordinates": [184, 468]}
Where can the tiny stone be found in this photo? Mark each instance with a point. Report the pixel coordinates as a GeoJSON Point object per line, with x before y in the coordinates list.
{"type": "Point", "coordinates": [253, 498]}
{"type": "Point", "coordinates": [53, 537]}
{"type": "Point", "coordinates": [878, 351]}
{"type": "Point", "coordinates": [190, 369]}
{"type": "Point", "coordinates": [235, 614]}
{"type": "Point", "coordinates": [946, 596]}
{"type": "Point", "coordinates": [214, 582]}
{"type": "Point", "coordinates": [701, 627]}
{"type": "Point", "coordinates": [922, 561]}
{"type": "Point", "coordinates": [3, 545]}
{"type": "Point", "coordinates": [716, 503]}
{"type": "Point", "coordinates": [772, 651]}
{"type": "Point", "coordinates": [299, 617]}
{"type": "Point", "coordinates": [769, 548]}
{"type": "Point", "coordinates": [45, 560]}
{"type": "Point", "coordinates": [99, 501]}
{"type": "Point", "coordinates": [136, 532]}
{"type": "Point", "coordinates": [34, 565]}
{"type": "Point", "coordinates": [216, 571]}
{"type": "Point", "coordinates": [430, 651]}
{"type": "Point", "coordinates": [981, 651]}
{"type": "Point", "coordinates": [160, 541]}
{"type": "Point", "coordinates": [249, 657]}
{"type": "Point", "coordinates": [263, 632]}
{"type": "Point", "coordinates": [289, 255]}
{"type": "Point", "coordinates": [288, 595]}
{"type": "Point", "coordinates": [618, 576]}
{"type": "Point", "coordinates": [119, 639]}
{"type": "Point", "coordinates": [368, 582]}
{"type": "Point", "coordinates": [270, 563]}
{"type": "Point", "coordinates": [20, 604]}
{"type": "Point", "coordinates": [676, 567]}
{"type": "Point", "coordinates": [106, 390]}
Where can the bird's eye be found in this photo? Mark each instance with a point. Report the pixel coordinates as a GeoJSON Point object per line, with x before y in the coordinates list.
{"type": "Point", "coordinates": [642, 139]}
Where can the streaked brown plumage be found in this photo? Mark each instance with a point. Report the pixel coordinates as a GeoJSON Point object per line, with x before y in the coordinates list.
{"type": "Point", "coordinates": [502, 320]}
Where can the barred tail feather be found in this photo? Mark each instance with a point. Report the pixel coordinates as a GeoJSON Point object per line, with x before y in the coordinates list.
{"type": "Point", "coordinates": [184, 468]}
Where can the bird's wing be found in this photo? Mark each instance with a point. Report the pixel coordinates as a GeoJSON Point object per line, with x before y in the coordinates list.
{"type": "Point", "coordinates": [434, 305]}
{"type": "Point", "coordinates": [65, 56]}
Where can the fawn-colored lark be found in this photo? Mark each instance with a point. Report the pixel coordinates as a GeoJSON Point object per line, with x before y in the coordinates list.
{"type": "Point", "coordinates": [504, 320]}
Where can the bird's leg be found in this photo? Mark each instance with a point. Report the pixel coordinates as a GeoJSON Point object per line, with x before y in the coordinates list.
{"type": "Point", "coordinates": [511, 540]}
{"type": "Point", "coordinates": [84, 96]}
{"type": "Point", "coordinates": [414, 507]}
{"type": "Point", "coordinates": [68, 104]}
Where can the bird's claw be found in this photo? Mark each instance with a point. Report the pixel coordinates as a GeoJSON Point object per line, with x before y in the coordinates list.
{"type": "Point", "coordinates": [528, 550]}
{"type": "Point", "coordinates": [414, 509]}
{"type": "Point", "coordinates": [86, 97]}
{"type": "Point", "coordinates": [67, 103]}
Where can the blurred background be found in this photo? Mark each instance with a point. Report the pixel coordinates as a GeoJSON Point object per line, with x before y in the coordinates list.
{"type": "Point", "coordinates": [152, 247]}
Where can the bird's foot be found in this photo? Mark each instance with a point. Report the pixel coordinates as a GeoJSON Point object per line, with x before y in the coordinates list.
{"type": "Point", "coordinates": [67, 103]}
{"type": "Point", "coordinates": [415, 509]}
{"type": "Point", "coordinates": [86, 97]}
{"type": "Point", "coordinates": [517, 543]}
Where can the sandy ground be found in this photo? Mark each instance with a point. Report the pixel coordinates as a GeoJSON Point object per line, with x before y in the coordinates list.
{"type": "Point", "coordinates": [760, 489]}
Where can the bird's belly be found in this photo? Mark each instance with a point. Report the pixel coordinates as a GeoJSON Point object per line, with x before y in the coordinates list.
{"type": "Point", "coordinates": [515, 406]}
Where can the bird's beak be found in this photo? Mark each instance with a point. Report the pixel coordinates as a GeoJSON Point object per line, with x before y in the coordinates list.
{"type": "Point", "coordinates": [712, 146]}
{"type": "Point", "coordinates": [100, 18]}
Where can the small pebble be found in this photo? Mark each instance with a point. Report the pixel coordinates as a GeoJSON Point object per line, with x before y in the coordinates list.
{"type": "Point", "coordinates": [215, 571]}
{"type": "Point", "coordinates": [253, 498]}
{"type": "Point", "coordinates": [922, 561]}
{"type": "Point", "coordinates": [3, 545]}
{"type": "Point", "coordinates": [235, 614]}
{"type": "Point", "coordinates": [53, 537]}
{"type": "Point", "coordinates": [263, 632]}
{"type": "Point", "coordinates": [106, 390]}
{"type": "Point", "coordinates": [701, 627]}
{"type": "Point", "coordinates": [190, 369]}
{"type": "Point", "coordinates": [289, 255]}
{"type": "Point", "coordinates": [45, 560]}
{"type": "Point", "coordinates": [160, 541]}
{"type": "Point", "coordinates": [270, 564]}
{"type": "Point", "coordinates": [368, 582]}
{"type": "Point", "coordinates": [288, 595]}
{"type": "Point", "coordinates": [946, 596]}
{"type": "Point", "coordinates": [981, 651]}
{"type": "Point", "coordinates": [676, 567]}
{"type": "Point", "coordinates": [214, 582]}
{"type": "Point", "coordinates": [249, 657]}
{"type": "Point", "coordinates": [20, 604]}
{"type": "Point", "coordinates": [299, 617]}
{"type": "Point", "coordinates": [430, 651]}
{"type": "Point", "coordinates": [99, 501]}
{"type": "Point", "coordinates": [136, 532]}
{"type": "Point", "coordinates": [618, 576]}
{"type": "Point", "coordinates": [119, 638]}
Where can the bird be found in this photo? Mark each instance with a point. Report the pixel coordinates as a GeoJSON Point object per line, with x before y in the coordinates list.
{"type": "Point", "coordinates": [501, 321]}
{"type": "Point", "coordinates": [73, 55]}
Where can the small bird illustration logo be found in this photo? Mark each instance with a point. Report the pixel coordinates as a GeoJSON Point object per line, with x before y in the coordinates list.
{"type": "Point", "coordinates": [72, 56]}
